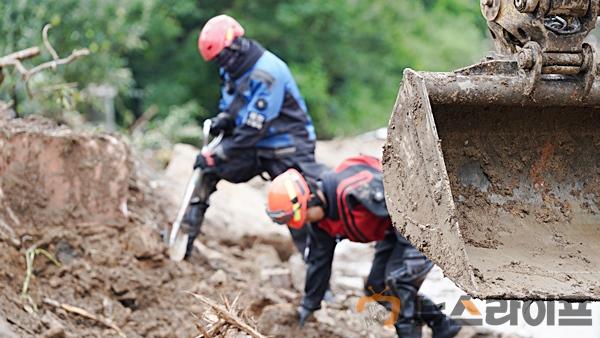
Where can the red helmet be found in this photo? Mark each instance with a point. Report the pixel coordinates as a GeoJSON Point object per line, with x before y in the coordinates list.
{"type": "Point", "coordinates": [218, 33]}
{"type": "Point", "coordinates": [288, 198]}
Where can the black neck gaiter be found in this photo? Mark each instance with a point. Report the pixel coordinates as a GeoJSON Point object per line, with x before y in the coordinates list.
{"type": "Point", "coordinates": [239, 57]}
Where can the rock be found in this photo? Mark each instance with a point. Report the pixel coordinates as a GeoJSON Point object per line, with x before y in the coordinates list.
{"type": "Point", "coordinates": [5, 331]}
{"type": "Point", "coordinates": [287, 294]}
{"type": "Point", "coordinates": [181, 165]}
{"type": "Point", "coordinates": [325, 317]}
{"type": "Point", "coordinates": [55, 332]}
{"type": "Point", "coordinates": [55, 328]}
{"type": "Point", "coordinates": [298, 272]}
{"type": "Point", "coordinates": [282, 243]}
{"type": "Point", "coordinates": [277, 318]}
{"type": "Point", "coordinates": [350, 283]}
{"type": "Point", "coordinates": [266, 255]}
{"type": "Point", "coordinates": [65, 253]}
{"type": "Point", "coordinates": [280, 278]}
{"type": "Point", "coordinates": [5, 111]}
{"type": "Point", "coordinates": [54, 282]}
{"type": "Point", "coordinates": [120, 286]}
{"type": "Point", "coordinates": [218, 278]}
{"type": "Point", "coordinates": [144, 242]}
{"type": "Point", "coordinates": [116, 311]}
{"type": "Point", "coordinates": [235, 333]}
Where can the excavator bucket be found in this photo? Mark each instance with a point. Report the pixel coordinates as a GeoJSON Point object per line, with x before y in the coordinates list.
{"type": "Point", "coordinates": [497, 184]}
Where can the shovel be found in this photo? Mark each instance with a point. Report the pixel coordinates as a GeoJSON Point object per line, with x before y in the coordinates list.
{"type": "Point", "coordinates": [177, 239]}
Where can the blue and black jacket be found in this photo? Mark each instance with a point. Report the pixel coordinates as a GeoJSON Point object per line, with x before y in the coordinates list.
{"type": "Point", "coordinates": [268, 109]}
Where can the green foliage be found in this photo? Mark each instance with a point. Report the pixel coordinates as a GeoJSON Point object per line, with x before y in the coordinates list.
{"type": "Point", "coordinates": [180, 126]}
{"type": "Point", "coordinates": [346, 55]}
{"type": "Point", "coordinates": [355, 51]}
{"type": "Point", "coordinates": [108, 28]}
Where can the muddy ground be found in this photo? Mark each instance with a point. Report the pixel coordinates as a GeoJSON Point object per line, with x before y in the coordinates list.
{"type": "Point", "coordinates": [91, 204]}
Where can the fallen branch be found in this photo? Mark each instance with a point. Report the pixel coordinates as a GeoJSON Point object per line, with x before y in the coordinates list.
{"type": "Point", "coordinates": [213, 331]}
{"type": "Point", "coordinates": [15, 59]}
{"type": "Point", "coordinates": [205, 333]}
{"type": "Point", "coordinates": [47, 43]}
{"type": "Point", "coordinates": [228, 316]}
{"type": "Point", "coordinates": [76, 54]}
{"type": "Point", "coordinates": [15, 63]}
{"type": "Point", "coordinates": [20, 55]}
{"type": "Point", "coordinates": [84, 313]}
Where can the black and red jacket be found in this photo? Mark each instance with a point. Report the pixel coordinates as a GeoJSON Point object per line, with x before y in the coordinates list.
{"type": "Point", "coordinates": [355, 209]}
{"type": "Point", "coordinates": [355, 206]}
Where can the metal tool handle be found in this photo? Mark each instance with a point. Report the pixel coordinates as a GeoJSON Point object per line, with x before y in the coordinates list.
{"type": "Point", "coordinates": [206, 133]}
{"type": "Point", "coordinates": [193, 181]}
{"type": "Point", "coordinates": [189, 191]}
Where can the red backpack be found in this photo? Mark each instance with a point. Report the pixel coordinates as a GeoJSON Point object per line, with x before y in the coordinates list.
{"type": "Point", "coordinates": [356, 200]}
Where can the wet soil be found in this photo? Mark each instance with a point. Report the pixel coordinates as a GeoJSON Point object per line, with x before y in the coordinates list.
{"type": "Point", "coordinates": [103, 226]}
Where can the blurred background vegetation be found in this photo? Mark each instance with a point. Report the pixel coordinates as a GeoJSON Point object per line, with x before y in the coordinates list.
{"type": "Point", "coordinates": [347, 56]}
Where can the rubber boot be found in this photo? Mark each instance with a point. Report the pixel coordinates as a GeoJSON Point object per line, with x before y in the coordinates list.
{"type": "Point", "coordinates": [408, 328]}
{"type": "Point", "coordinates": [441, 325]}
{"type": "Point", "coordinates": [447, 328]}
{"type": "Point", "coordinates": [193, 219]}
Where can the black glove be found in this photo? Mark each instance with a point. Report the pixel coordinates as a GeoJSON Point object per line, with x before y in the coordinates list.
{"type": "Point", "coordinates": [223, 122]}
{"type": "Point", "coordinates": [205, 160]}
{"type": "Point", "coordinates": [303, 315]}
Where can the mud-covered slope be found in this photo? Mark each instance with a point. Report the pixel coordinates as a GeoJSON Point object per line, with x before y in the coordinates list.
{"type": "Point", "coordinates": [77, 196]}
{"type": "Point", "coordinates": [82, 198]}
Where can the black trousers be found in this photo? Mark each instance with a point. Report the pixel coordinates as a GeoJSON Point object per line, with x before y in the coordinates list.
{"type": "Point", "coordinates": [242, 167]}
{"type": "Point", "coordinates": [399, 270]}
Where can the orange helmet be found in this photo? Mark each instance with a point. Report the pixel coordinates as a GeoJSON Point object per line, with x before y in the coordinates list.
{"type": "Point", "coordinates": [288, 198]}
{"type": "Point", "coordinates": [218, 34]}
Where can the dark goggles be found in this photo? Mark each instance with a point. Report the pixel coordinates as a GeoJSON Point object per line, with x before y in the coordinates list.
{"type": "Point", "coordinates": [280, 217]}
{"type": "Point", "coordinates": [285, 217]}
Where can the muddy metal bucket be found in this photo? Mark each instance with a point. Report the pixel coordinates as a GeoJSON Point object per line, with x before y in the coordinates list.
{"type": "Point", "coordinates": [500, 189]}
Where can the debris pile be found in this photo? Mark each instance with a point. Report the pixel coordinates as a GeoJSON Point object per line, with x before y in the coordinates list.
{"type": "Point", "coordinates": [97, 212]}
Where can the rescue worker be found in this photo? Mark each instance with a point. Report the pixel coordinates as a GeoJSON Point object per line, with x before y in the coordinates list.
{"type": "Point", "coordinates": [262, 115]}
{"type": "Point", "coordinates": [349, 203]}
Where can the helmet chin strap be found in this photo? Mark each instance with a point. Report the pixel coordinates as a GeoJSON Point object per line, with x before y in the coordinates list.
{"type": "Point", "coordinates": [315, 197]}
